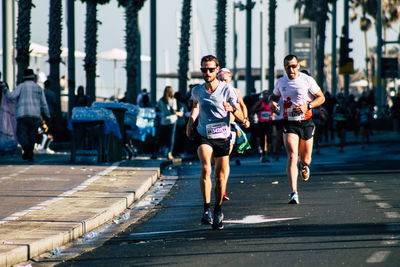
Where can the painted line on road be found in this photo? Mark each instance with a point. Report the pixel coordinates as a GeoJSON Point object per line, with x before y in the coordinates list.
{"type": "Point", "coordinates": [392, 215]}
{"type": "Point", "coordinates": [365, 190]}
{"type": "Point", "coordinates": [372, 197]}
{"type": "Point", "coordinates": [15, 173]}
{"type": "Point", "coordinates": [359, 184]}
{"type": "Point", "coordinates": [253, 219]}
{"type": "Point", "coordinates": [391, 241]}
{"type": "Point", "coordinates": [384, 205]}
{"type": "Point", "coordinates": [378, 256]}
{"type": "Point", "coordinates": [86, 183]}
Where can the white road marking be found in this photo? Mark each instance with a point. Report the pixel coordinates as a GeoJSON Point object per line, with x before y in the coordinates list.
{"type": "Point", "coordinates": [392, 240]}
{"type": "Point", "coordinates": [15, 173]}
{"type": "Point", "coordinates": [384, 205]}
{"type": "Point", "coordinates": [86, 183]}
{"type": "Point", "coordinates": [372, 197]}
{"type": "Point", "coordinates": [378, 256]}
{"type": "Point", "coordinates": [365, 190]}
{"type": "Point", "coordinates": [392, 215]}
{"type": "Point", "coordinates": [253, 219]}
{"type": "Point", "coordinates": [359, 184]}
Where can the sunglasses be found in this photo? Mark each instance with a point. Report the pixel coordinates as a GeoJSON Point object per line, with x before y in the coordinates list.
{"type": "Point", "coordinates": [291, 66]}
{"type": "Point", "coordinates": [204, 70]}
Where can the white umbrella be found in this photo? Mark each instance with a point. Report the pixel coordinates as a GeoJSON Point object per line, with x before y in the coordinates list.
{"type": "Point", "coordinates": [115, 55]}
{"type": "Point", "coordinates": [360, 83]}
{"type": "Point", "coordinates": [64, 53]}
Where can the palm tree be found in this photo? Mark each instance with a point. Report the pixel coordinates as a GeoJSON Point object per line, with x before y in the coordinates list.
{"type": "Point", "coordinates": [221, 31]}
{"type": "Point", "coordinates": [317, 11]}
{"type": "Point", "coordinates": [183, 66]}
{"type": "Point", "coordinates": [368, 10]}
{"type": "Point", "coordinates": [91, 46]}
{"type": "Point", "coordinates": [55, 29]}
{"type": "Point", "coordinates": [23, 36]}
{"type": "Point", "coordinates": [132, 43]}
{"type": "Point", "coordinates": [271, 33]}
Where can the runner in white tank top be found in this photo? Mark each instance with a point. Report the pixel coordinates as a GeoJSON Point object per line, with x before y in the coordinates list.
{"type": "Point", "coordinates": [300, 94]}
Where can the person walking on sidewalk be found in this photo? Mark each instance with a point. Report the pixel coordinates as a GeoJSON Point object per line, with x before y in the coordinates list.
{"type": "Point", "coordinates": [31, 104]}
{"type": "Point", "coordinates": [213, 102]}
{"type": "Point", "coordinates": [300, 95]}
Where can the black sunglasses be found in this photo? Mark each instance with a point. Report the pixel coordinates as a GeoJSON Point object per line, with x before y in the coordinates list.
{"type": "Point", "coordinates": [204, 70]}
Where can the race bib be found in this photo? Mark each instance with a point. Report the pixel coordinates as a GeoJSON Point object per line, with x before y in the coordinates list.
{"type": "Point", "coordinates": [293, 116]}
{"type": "Point", "coordinates": [217, 130]}
{"type": "Point", "coordinates": [266, 115]}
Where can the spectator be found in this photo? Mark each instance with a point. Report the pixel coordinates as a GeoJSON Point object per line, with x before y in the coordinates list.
{"type": "Point", "coordinates": [139, 99]}
{"type": "Point", "coordinates": [169, 115]}
{"type": "Point", "coordinates": [81, 100]}
{"type": "Point", "coordinates": [31, 104]}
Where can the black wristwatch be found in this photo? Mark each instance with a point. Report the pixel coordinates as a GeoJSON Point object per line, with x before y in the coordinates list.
{"type": "Point", "coordinates": [309, 106]}
{"type": "Point", "coordinates": [234, 109]}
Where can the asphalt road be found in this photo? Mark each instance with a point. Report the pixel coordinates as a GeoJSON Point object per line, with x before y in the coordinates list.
{"type": "Point", "coordinates": [349, 214]}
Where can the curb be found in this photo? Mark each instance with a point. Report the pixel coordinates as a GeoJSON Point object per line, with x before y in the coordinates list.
{"type": "Point", "coordinates": [37, 236]}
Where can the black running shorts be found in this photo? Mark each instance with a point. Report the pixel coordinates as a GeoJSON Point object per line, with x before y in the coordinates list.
{"type": "Point", "coordinates": [220, 147]}
{"type": "Point", "coordinates": [304, 129]}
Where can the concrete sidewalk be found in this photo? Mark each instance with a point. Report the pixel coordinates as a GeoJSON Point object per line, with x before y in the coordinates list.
{"type": "Point", "coordinates": [66, 216]}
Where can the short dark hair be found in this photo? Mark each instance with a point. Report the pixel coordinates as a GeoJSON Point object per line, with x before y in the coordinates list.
{"type": "Point", "coordinates": [46, 84]}
{"type": "Point", "coordinates": [290, 57]}
{"type": "Point", "coordinates": [210, 58]}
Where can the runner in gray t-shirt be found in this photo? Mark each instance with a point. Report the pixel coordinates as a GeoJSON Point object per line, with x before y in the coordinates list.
{"type": "Point", "coordinates": [212, 103]}
{"type": "Point", "coordinates": [211, 106]}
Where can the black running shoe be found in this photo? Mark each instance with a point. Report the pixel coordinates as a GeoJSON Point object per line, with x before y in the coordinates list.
{"type": "Point", "coordinates": [217, 222]}
{"type": "Point", "coordinates": [207, 218]}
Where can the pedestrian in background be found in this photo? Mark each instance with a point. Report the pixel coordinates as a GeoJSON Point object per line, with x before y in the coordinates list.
{"type": "Point", "coordinates": [341, 116]}
{"type": "Point", "coordinates": [168, 107]}
{"type": "Point", "coordinates": [300, 95]}
{"type": "Point", "coordinates": [81, 100]}
{"type": "Point", "coordinates": [213, 102]}
{"type": "Point", "coordinates": [31, 105]}
{"type": "Point", "coordinates": [225, 75]}
{"type": "Point", "coordinates": [264, 126]}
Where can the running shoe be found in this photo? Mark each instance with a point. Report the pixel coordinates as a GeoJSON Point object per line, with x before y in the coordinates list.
{"type": "Point", "coordinates": [294, 198]}
{"type": "Point", "coordinates": [207, 218]}
{"type": "Point", "coordinates": [305, 172]}
{"type": "Point", "coordinates": [226, 197]}
{"type": "Point", "coordinates": [217, 222]}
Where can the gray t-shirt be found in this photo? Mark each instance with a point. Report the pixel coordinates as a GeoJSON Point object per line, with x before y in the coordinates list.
{"type": "Point", "coordinates": [213, 120]}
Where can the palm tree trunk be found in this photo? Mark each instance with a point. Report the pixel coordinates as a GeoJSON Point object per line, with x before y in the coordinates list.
{"type": "Point", "coordinates": [221, 32]}
{"type": "Point", "coordinates": [321, 28]}
{"type": "Point", "coordinates": [132, 60]}
{"type": "Point", "coordinates": [55, 49]}
{"type": "Point", "coordinates": [184, 46]}
{"type": "Point", "coordinates": [91, 50]}
{"type": "Point", "coordinates": [23, 36]}
{"type": "Point", "coordinates": [271, 44]}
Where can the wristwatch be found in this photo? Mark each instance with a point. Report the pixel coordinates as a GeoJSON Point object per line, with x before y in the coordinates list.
{"type": "Point", "coordinates": [234, 109]}
{"type": "Point", "coordinates": [309, 106]}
